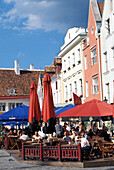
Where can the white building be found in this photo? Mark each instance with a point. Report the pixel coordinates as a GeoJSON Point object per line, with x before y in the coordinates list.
{"type": "Point", "coordinates": [72, 74]}
{"type": "Point", "coordinates": [107, 50]}
{"type": "Point", "coordinates": [56, 82]}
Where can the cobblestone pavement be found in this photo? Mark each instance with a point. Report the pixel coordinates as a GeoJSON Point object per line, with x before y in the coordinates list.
{"type": "Point", "coordinates": [8, 162]}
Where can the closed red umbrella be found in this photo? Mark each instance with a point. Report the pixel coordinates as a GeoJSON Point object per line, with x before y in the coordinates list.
{"type": "Point", "coordinates": [48, 110]}
{"type": "Point", "coordinates": [92, 108]}
{"type": "Point", "coordinates": [34, 116]}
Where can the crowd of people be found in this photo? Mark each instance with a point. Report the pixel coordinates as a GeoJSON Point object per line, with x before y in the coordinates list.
{"type": "Point", "coordinates": [71, 134]}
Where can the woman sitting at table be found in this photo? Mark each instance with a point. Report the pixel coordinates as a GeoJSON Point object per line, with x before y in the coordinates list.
{"type": "Point", "coordinates": [84, 142]}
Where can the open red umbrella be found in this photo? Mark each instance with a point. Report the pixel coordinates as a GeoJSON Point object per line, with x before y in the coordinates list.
{"type": "Point", "coordinates": [92, 108]}
{"type": "Point", "coordinates": [34, 116]}
{"type": "Point", "coordinates": [48, 110]}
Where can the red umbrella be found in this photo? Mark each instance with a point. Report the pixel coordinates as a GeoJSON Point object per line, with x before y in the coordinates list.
{"type": "Point", "coordinates": [92, 108]}
{"type": "Point", "coordinates": [48, 110]}
{"type": "Point", "coordinates": [34, 116]}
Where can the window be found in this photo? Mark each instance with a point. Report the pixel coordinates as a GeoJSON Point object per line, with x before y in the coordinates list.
{"type": "Point", "coordinates": [68, 62]}
{"type": "Point", "coordinates": [92, 29]}
{"type": "Point", "coordinates": [11, 106]}
{"type": "Point", "coordinates": [70, 90]}
{"type": "Point", "coordinates": [95, 85]}
{"type": "Point", "coordinates": [112, 57]}
{"type": "Point", "coordinates": [108, 26]}
{"type": "Point", "coordinates": [106, 61]}
{"type": "Point", "coordinates": [57, 97]}
{"type": "Point", "coordinates": [79, 56]}
{"type": "Point", "coordinates": [66, 93]}
{"type": "Point", "coordinates": [87, 41]}
{"type": "Point", "coordinates": [18, 104]}
{"type": "Point", "coordinates": [81, 87]}
{"type": "Point", "coordinates": [73, 59]}
{"type": "Point", "coordinates": [85, 62]}
{"type": "Point", "coordinates": [2, 107]}
{"type": "Point", "coordinates": [75, 87]}
{"type": "Point", "coordinates": [108, 91]}
{"type": "Point", "coordinates": [64, 65]}
{"type": "Point", "coordinates": [87, 90]}
{"type": "Point", "coordinates": [93, 57]}
{"type": "Point", "coordinates": [56, 85]}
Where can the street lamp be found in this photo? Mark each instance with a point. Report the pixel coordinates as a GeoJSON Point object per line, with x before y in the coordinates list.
{"type": "Point", "coordinates": [105, 100]}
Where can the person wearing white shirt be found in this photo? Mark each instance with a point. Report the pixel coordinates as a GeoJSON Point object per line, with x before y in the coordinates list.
{"type": "Point", "coordinates": [24, 136]}
{"type": "Point", "coordinates": [84, 142]}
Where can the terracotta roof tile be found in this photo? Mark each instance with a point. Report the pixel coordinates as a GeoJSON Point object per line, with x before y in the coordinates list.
{"type": "Point", "coordinates": [101, 5]}
{"type": "Point", "coordinates": [20, 83]}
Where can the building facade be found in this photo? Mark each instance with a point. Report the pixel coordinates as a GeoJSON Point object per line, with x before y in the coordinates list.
{"type": "Point", "coordinates": [72, 73]}
{"type": "Point", "coordinates": [15, 86]}
{"type": "Point", "coordinates": [107, 50]}
{"type": "Point", "coordinates": [92, 55]}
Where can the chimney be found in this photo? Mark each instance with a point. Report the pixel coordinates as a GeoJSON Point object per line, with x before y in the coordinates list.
{"type": "Point", "coordinates": [31, 66]}
{"type": "Point", "coordinates": [17, 69]}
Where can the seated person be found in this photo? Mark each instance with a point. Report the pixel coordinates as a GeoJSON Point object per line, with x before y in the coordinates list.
{"type": "Point", "coordinates": [84, 142]}
{"type": "Point", "coordinates": [10, 132]}
{"type": "Point", "coordinates": [66, 137]}
{"type": "Point", "coordinates": [14, 132]}
{"type": "Point", "coordinates": [24, 136]}
{"type": "Point", "coordinates": [35, 136]}
{"type": "Point", "coordinates": [76, 137]}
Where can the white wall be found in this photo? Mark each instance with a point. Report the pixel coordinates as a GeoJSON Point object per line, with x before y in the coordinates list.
{"type": "Point", "coordinates": [107, 42]}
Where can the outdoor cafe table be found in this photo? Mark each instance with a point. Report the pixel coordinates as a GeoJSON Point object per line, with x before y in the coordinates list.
{"type": "Point", "coordinates": [10, 142]}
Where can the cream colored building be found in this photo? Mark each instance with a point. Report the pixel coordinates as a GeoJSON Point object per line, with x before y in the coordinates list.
{"type": "Point", "coordinates": [72, 73]}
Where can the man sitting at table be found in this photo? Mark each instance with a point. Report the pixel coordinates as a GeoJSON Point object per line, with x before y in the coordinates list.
{"type": "Point", "coordinates": [35, 136]}
{"type": "Point", "coordinates": [84, 142]}
{"type": "Point", "coordinates": [24, 136]}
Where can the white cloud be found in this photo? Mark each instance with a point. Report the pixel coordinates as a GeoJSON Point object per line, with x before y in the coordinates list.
{"type": "Point", "coordinates": [44, 14]}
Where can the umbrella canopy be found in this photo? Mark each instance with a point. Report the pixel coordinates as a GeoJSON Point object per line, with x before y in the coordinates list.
{"type": "Point", "coordinates": [92, 108]}
{"type": "Point", "coordinates": [63, 109]}
{"type": "Point", "coordinates": [34, 116]}
{"type": "Point", "coordinates": [16, 114]}
{"type": "Point", "coordinates": [48, 110]}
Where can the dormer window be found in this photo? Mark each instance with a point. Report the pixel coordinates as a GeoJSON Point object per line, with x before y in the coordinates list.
{"type": "Point", "coordinates": [11, 92]}
{"type": "Point", "coordinates": [92, 30]}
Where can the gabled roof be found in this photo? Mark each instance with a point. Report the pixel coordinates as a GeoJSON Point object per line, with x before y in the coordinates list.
{"type": "Point", "coordinates": [101, 5]}
{"type": "Point", "coordinates": [95, 10]}
{"type": "Point", "coordinates": [20, 83]}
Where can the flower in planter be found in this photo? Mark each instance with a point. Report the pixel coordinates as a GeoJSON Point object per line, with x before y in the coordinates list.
{"type": "Point", "coordinates": [66, 100]}
{"type": "Point", "coordinates": [70, 99]}
{"type": "Point", "coordinates": [81, 96]}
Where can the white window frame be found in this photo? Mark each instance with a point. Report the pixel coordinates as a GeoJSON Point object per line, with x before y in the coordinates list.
{"type": "Point", "coordinates": [93, 57]}
{"type": "Point", "coordinates": [95, 85]}
{"type": "Point", "coordinates": [87, 89]}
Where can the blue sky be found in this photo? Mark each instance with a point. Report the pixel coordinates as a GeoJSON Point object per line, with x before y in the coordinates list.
{"type": "Point", "coordinates": [33, 30]}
